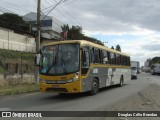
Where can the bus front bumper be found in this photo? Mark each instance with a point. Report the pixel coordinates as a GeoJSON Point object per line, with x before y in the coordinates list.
{"type": "Point", "coordinates": [61, 88]}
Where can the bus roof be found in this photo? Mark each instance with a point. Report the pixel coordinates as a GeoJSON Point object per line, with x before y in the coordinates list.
{"type": "Point", "coordinates": [88, 43]}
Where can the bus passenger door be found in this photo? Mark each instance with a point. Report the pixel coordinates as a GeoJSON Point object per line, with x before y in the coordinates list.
{"type": "Point", "coordinates": [85, 62]}
{"type": "Point", "coordinates": [85, 58]}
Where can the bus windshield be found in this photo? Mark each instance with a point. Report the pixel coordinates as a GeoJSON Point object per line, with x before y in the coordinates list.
{"type": "Point", "coordinates": [60, 59]}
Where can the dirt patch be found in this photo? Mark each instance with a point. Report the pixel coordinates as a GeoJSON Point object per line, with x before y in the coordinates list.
{"type": "Point", "coordinates": [146, 100]}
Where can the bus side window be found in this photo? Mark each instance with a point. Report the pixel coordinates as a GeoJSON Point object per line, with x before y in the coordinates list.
{"type": "Point", "coordinates": [122, 60]}
{"type": "Point", "coordinates": [92, 55]}
{"type": "Point", "coordinates": [108, 55]}
{"type": "Point", "coordinates": [118, 59]}
{"type": "Point", "coordinates": [125, 60]}
{"type": "Point", "coordinates": [85, 58]}
{"type": "Point", "coordinates": [96, 56]}
{"type": "Point", "coordinates": [105, 57]}
{"type": "Point", "coordinates": [100, 56]}
{"type": "Point", "coordinates": [128, 61]}
{"type": "Point", "coordinates": [113, 58]}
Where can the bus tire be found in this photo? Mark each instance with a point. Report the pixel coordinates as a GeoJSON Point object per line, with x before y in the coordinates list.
{"type": "Point", "coordinates": [121, 81]}
{"type": "Point", "coordinates": [95, 87]}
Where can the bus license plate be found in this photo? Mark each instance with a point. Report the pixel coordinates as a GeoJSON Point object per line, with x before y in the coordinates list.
{"type": "Point", "coordinates": [55, 86]}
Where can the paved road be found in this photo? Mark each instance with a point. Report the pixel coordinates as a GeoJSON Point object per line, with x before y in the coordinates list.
{"type": "Point", "coordinates": [80, 102]}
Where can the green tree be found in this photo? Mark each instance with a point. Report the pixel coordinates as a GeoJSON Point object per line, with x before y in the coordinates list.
{"type": "Point", "coordinates": [93, 40]}
{"type": "Point", "coordinates": [75, 33]}
{"type": "Point", "coordinates": [118, 48]}
{"type": "Point", "coordinates": [13, 21]}
{"type": "Point", "coordinates": [112, 47]}
{"type": "Point", "coordinates": [155, 60]}
{"type": "Point", "coordinates": [65, 28]}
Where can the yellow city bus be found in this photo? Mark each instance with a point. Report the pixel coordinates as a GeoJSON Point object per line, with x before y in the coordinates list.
{"type": "Point", "coordinates": [75, 66]}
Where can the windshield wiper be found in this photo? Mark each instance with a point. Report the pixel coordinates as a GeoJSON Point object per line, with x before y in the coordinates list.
{"type": "Point", "coordinates": [53, 63]}
{"type": "Point", "coordinates": [63, 64]}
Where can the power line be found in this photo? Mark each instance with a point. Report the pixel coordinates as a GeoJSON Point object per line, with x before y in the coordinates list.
{"type": "Point", "coordinates": [6, 10]}
{"type": "Point", "coordinates": [60, 5]}
{"type": "Point", "coordinates": [70, 14]}
{"type": "Point", "coordinates": [53, 8]}
{"type": "Point", "coordinates": [67, 13]}
{"type": "Point", "coordinates": [56, 10]}
{"type": "Point", "coordinates": [11, 5]}
{"type": "Point", "coordinates": [45, 31]}
{"type": "Point", "coordinates": [49, 17]}
{"type": "Point", "coordinates": [14, 6]}
{"type": "Point", "coordinates": [68, 3]}
{"type": "Point", "coordinates": [72, 19]}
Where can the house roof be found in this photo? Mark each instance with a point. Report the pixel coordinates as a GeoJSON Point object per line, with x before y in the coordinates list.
{"type": "Point", "coordinates": [33, 17]}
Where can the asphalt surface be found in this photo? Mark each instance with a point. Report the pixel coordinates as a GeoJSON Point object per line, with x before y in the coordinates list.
{"type": "Point", "coordinates": [76, 102]}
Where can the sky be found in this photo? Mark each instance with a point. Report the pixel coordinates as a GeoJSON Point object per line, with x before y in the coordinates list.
{"type": "Point", "coordinates": [133, 24]}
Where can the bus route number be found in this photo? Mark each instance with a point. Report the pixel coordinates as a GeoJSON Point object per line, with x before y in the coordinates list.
{"type": "Point", "coordinates": [95, 70]}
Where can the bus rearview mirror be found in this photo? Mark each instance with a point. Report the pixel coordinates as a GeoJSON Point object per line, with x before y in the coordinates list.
{"type": "Point", "coordinates": [37, 59]}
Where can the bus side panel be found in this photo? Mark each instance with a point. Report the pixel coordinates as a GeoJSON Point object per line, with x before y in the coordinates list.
{"type": "Point", "coordinates": [125, 72]}
{"type": "Point", "coordinates": [101, 73]}
{"type": "Point", "coordinates": [106, 76]}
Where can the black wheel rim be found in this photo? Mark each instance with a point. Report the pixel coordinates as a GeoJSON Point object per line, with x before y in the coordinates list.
{"type": "Point", "coordinates": [94, 87]}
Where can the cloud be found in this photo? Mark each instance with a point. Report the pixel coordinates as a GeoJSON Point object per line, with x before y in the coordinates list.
{"type": "Point", "coordinates": [122, 16]}
{"type": "Point", "coordinates": [104, 16]}
{"type": "Point", "coordinates": [152, 47]}
{"type": "Point", "coordinates": [134, 22]}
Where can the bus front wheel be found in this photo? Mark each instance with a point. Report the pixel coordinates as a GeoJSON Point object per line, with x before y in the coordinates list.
{"type": "Point", "coordinates": [95, 87]}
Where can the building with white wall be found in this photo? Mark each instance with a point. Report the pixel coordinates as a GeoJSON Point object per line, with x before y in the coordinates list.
{"type": "Point", "coordinates": [18, 42]}
{"type": "Point", "coordinates": [50, 26]}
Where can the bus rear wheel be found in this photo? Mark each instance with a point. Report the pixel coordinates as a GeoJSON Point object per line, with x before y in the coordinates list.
{"type": "Point", "coordinates": [121, 82]}
{"type": "Point", "coordinates": [95, 87]}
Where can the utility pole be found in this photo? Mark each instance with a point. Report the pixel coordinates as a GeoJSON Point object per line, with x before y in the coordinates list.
{"type": "Point", "coordinates": [38, 26]}
{"type": "Point", "coordinates": [8, 39]}
{"type": "Point", "coordinates": [38, 36]}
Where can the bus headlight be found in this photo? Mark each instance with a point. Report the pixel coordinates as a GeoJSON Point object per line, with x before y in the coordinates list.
{"type": "Point", "coordinates": [75, 78]}
{"type": "Point", "coordinates": [42, 80]}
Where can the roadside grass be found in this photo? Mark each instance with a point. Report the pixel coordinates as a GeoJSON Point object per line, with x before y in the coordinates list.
{"type": "Point", "coordinates": [1, 70]}
{"type": "Point", "coordinates": [17, 89]}
{"type": "Point", "coordinates": [10, 54]}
